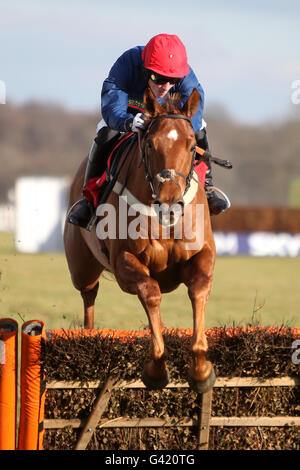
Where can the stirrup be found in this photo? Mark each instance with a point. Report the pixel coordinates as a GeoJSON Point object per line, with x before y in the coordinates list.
{"type": "Point", "coordinates": [219, 193]}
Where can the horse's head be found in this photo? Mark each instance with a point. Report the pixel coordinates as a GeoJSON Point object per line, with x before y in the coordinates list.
{"type": "Point", "coordinates": [169, 148]}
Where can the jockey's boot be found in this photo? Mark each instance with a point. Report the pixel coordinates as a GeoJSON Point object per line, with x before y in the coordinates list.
{"type": "Point", "coordinates": [216, 204]}
{"type": "Point", "coordinates": [96, 165]}
{"type": "Point", "coordinates": [84, 211]}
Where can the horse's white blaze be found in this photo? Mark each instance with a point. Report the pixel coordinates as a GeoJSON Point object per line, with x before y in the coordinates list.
{"type": "Point", "coordinates": [173, 134]}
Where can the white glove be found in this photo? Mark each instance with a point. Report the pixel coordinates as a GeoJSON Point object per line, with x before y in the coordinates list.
{"type": "Point", "coordinates": [138, 122]}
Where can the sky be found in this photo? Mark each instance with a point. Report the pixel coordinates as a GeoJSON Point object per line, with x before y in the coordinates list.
{"type": "Point", "coordinates": [246, 54]}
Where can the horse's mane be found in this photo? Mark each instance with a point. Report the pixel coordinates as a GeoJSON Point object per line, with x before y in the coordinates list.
{"type": "Point", "coordinates": [172, 104]}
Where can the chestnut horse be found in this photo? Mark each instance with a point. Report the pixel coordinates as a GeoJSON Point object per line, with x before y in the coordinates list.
{"type": "Point", "coordinates": [151, 265]}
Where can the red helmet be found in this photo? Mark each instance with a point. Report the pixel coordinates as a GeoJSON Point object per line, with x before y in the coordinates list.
{"type": "Point", "coordinates": [166, 55]}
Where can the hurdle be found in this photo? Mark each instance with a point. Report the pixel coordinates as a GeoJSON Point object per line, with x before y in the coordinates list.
{"type": "Point", "coordinates": [56, 352]}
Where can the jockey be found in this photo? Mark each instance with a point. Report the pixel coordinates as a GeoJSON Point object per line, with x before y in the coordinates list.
{"type": "Point", "coordinates": [161, 65]}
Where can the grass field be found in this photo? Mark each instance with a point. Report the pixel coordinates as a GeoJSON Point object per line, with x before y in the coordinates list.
{"type": "Point", "coordinates": [245, 290]}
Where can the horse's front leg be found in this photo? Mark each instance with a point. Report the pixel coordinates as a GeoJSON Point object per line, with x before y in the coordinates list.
{"type": "Point", "coordinates": [198, 274]}
{"type": "Point", "coordinates": [133, 277]}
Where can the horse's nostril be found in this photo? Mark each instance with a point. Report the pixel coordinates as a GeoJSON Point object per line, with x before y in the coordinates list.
{"type": "Point", "coordinates": [179, 206]}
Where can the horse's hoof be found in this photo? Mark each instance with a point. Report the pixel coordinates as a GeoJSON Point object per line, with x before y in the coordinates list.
{"type": "Point", "coordinates": [202, 386]}
{"type": "Point", "coordinates": [154, 384]}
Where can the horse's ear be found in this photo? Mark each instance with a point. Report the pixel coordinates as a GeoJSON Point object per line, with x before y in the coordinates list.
{"type": "Point", "coordinates": [151, 105]}
{"type": "Point", "coordinates": [192, 104]}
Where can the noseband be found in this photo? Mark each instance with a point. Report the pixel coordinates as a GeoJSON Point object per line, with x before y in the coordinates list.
{"type": "Point", "coordinates": [168, 174]}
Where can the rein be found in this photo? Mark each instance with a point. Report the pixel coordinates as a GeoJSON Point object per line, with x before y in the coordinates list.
{"type": "Point", "coordinates": [168, 174]}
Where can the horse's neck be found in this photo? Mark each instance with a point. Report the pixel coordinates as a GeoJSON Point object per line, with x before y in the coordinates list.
{"type": "Point", "coordinates": [134, 176]}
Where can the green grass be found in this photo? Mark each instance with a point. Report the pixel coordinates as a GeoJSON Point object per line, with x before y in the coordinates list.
{"type": "Point", "coordinates": [245, 290]}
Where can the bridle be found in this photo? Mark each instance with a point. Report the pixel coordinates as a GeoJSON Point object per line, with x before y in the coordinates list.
{"type": "Point", "coordinates": [167, 174]}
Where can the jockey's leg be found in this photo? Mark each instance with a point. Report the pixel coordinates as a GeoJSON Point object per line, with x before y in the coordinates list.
{"type": "Point", "coordinates": [216, 204]}
{"type": "Point", "coordinates": [96, 166]}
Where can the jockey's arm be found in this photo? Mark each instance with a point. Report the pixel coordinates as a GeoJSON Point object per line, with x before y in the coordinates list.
{"type": "Point", "coordinates": [185, 88]}
{"type": "Point", "coordinates": [114, 95]}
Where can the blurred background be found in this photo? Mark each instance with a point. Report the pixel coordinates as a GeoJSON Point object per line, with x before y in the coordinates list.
{"type": "Point", "coordinates": [54, 56]}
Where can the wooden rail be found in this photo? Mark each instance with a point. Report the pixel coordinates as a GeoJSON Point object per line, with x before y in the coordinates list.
{"type": "Point", "coordinates": [220, 382]}
{"type": "Point", "coordinates": [204, 421]}
{"type": "Point", "coordinates": [172, 422]}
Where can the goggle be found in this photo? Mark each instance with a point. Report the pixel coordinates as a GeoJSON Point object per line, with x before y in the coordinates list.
{"type": "Point", "coordinates": [161, 80]}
